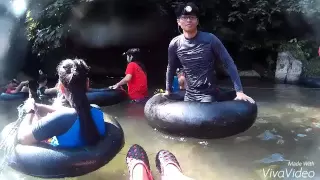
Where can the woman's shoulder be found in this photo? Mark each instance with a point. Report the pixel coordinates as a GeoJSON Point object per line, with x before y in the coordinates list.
{"type": "Point", "coordinates": [132, 64]}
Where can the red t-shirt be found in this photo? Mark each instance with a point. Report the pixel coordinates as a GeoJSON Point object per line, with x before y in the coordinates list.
{"type": "Point", "coordinates": [138, 85]}
{"type": "Point", "coordinates": [10, 89]}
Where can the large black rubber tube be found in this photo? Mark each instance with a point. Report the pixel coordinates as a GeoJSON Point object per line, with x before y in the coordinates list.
{"type": "Point", "coordinates": [106, 97]}
{"type": "Point", "coordinates": [200, 120]}
{"type": "Point", "coordinates": [310, 82]}
{"type": "Point", "coordinates": [45, 161]}
{"type": "Point", "coordinates": [101, 97]}
{"type": "Point", "coordinates": [13, 96]}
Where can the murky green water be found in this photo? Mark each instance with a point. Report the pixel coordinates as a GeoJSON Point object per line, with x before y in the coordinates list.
{"type": "Point", "coordinates": [287, 128]}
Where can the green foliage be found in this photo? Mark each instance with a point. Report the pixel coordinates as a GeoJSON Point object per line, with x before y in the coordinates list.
{"type": "Point", "coordinates": [251, 24]}
{"type": "Point", "coordinates": [46, 29]}
{"type": "Point", "coordinates": [312, 67]}
{"type": "Point", "coordinates": [300, 49]}
{"type": "Point", "coordinates": [295, 47]}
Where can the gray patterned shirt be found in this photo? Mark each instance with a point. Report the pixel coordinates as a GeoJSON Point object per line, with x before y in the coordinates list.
{"type": "Point", "coordinates": [197, 56]}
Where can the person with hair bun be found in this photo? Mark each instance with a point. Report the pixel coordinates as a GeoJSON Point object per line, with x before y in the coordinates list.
{"type": "Point", "coordinates": [76, 125]}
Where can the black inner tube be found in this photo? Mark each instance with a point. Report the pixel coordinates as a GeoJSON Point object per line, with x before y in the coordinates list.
{"type": "Point", "coordinates": [101, 97]}
{"type": "Point", "coordinates": [201, 120]}
{"type": "Point", "coordinates": [106, 97]}
{"type": "Point", "coordinates": [312, 82]}
{"type": "Point", "coordinates": [46, 161]}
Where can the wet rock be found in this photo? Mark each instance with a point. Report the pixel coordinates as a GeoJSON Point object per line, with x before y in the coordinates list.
{"type": "Point", "coordinates": [288, 69]}
{"type": "Point", "coordinates": [294, 71]}
{"type": "Point", "coordinates": [282, 67]}
{"type": "Point", "coordinates": [250, 73]}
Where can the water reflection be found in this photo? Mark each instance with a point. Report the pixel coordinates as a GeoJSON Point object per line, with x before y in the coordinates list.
{"type": "Point", "coordinates": [286, 130]}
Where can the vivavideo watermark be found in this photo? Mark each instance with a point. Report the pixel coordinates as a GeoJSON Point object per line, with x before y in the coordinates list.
{"type": "Point", "coordinates": [295, 170]}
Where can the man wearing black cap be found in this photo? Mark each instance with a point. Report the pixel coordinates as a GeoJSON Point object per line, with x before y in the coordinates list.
{"type": "Point", "coordinates": [197, 52]}
{"type": "Point", "coordinates": [136, 76]}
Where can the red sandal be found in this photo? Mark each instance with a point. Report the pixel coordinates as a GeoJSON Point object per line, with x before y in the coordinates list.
{"type": "Point", "coordinates": [137, 155]}
{"type": "Point", "coordinates": [164, 158]}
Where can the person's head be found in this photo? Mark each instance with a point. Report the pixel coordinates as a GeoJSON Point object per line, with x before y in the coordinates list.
{"type": "Point", "coordinates": [13, 83]}
{"type": "Point", "coordinates": [73, 77]}
{"type": "Point", "coordinates": [42, 80]}
{"type": "Point", "coordinates": [187, 17]}
{"type": "Point", "coordinates": [73, 85]}
{"type": "Point", "coordinates": [179, 72]}
{"type": "Point", "coordinates": [133, 54]}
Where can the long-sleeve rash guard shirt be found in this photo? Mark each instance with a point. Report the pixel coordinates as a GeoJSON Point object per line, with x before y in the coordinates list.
{"type": "Point", "coordinates": [197, 57]}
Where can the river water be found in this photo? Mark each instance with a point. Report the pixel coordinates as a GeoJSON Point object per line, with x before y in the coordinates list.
{"type": "Point", "coordinates": [284, 140]}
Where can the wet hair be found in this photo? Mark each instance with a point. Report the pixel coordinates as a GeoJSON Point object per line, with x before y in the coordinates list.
{"type": "Point", "coordinates": [73, 75]}
{"type": "Point", "coordinates": [136, 57]}
{"type": "Point", "coordinates": [187, 9]}
{"type": "Point", "coordinates": [14, 81]}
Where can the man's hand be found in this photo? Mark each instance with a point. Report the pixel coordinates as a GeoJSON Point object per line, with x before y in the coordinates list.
{"type": "Point", "coordinates": [166, 93]}
{"type": "Point", "coordinates": [244, 97]}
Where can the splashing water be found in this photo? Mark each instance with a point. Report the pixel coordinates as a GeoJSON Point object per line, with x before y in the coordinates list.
{"type": "Point", "coordinates": [9, 138]}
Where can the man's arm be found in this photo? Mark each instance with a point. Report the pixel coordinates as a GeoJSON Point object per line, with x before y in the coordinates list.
{"type": "Point", "coordinates": [222, 54]}
{"type": "Point", "coordinates": [172, 65]}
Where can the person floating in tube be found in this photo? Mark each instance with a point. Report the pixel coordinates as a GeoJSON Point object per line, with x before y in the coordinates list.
{"type": "Point", "coordinates": [196, 51]}
{"type": "Point", "coordinates": [76, 124]}
{"type": "Point", "coordinates": [15, 86]}
{"type": "Point", "coordinates": [136, 76]}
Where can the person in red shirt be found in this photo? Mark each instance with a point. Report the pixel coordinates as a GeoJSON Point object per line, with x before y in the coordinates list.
{"type": "Point", "coordinates": [136, 76]}
{"type": "Point", "coordinates": [15, 86]}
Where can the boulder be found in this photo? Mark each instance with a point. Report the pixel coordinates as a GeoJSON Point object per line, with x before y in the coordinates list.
{"type": "Point", "coordinates": [294, 71]}
{"type": "Point", "coordinates": [249, 73]}
{"type": "Point", "coordinates": [288, 68]}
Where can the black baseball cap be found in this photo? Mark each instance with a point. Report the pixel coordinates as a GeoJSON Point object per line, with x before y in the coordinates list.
{"type": "Point", "coordinates": [132, 51]}
{"type": "Point", "coordinates": [188, 9]}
